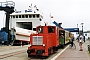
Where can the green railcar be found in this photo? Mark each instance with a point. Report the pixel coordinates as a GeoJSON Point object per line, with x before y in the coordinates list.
{"type": "Point", "coordinates": [64, 37]}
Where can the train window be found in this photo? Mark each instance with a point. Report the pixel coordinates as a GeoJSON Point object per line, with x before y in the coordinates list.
{"type": "Point", "coordinates": [40, 30]}
{"type": "Point", "coordinates": [51, 29]}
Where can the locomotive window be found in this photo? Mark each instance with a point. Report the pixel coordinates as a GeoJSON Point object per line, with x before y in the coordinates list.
{"type": "Point", "coordinates": [51, 29]}
{"type": "Point", "coordinates": [40, 30]}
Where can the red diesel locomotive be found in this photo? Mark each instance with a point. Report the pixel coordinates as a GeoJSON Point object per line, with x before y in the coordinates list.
{"type": "Point", "coordinates": [45, 42]}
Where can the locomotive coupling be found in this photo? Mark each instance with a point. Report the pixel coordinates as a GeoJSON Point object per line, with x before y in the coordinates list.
{"type": "Point", "coordinates": [39, 52]}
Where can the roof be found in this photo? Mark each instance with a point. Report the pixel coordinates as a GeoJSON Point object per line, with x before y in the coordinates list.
{"type": "Point", "coordinates": [72, 29]}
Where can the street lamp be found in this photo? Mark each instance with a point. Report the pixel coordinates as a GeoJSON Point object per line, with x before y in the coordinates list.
{"type": "Point", "coordinates": [82, 29]}
{"type": "Point", "coordinates": [77, 25]}
{"type": "Point", "coordinates": [77, 32]}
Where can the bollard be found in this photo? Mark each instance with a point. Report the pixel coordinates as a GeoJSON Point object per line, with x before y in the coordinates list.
{"type": "Point", "coordinates": [89, 48]}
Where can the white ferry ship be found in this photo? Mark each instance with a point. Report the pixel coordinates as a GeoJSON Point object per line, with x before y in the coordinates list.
{"type": "Point", "coordinates": [25, 23]}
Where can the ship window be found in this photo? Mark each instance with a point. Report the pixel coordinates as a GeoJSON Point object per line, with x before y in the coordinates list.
{"type": "Point", "coordinates": [33, 16]}
{"type": "Point", "coordinates": [10, 16]}
{"type": "Point", "coordinates": [34, 29]}
{"type": "Point", "coordinates": [22, 16]}
{"type": "Point", "coordinates": [19, 16]}
{"type": "Point", "coordinates": [16, 16]}
{"type": "Point", "coordinates": [26, 16]}
{"type": "Point", "coordinates": [40, 19]}
{"type": "Point", "coordinates": [37, 16]}
{"type": "Point", "coordinates": [13, 16]}
{"type": "Point", "coordinates": [30, 16]}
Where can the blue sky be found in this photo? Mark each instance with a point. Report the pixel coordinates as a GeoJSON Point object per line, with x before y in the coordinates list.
{"type": "Point", "coordinates": [69, 12]}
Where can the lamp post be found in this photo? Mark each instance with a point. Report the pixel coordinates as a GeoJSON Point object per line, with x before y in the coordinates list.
{"type": "Point", "coordinates": [77, 25]}
{"type": "Point", "coordinates": [82, 29]}
{"type": "Point", "coordinates": [77, 32]}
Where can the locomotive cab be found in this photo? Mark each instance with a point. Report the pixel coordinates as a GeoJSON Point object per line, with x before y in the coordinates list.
{"type": "Point", "coordinates": [44, 42]}
{"type": "Point", "coordinates": [45, 29]}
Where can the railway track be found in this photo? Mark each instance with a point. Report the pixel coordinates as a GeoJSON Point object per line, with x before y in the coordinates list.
{"type": "Point", "coordinates": [11, 54]}
{"type": "Point", "coordinates": [22, 55]}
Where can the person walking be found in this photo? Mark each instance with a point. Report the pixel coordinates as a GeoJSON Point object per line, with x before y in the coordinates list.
{"type": "Point", "coordinates": [71, 40]}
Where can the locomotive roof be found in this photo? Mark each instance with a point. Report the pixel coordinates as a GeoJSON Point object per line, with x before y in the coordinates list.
{"type": "Point", "coordinates": [46, 26]}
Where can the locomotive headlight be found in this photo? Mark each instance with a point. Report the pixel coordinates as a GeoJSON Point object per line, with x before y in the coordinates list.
{"type": "Point", "coordinates": [43, 44]}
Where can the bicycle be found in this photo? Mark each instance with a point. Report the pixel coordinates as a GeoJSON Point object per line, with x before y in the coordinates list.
{"type": "Point", "coordinates": [74, 46]}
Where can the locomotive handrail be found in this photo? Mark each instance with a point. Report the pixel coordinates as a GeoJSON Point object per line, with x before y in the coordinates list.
{"type": "Point", "coordinates": [7, 3]}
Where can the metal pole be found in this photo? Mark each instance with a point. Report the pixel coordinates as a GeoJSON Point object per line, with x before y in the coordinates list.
{"type": "Point", "coordinates": [82, 30]}
{"type": "Point", "coordinates": [77, 32]}
{"type": "Point", "coordinates": [77, 25]}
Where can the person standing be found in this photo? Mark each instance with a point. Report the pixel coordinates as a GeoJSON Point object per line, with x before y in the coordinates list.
{"type": "Point", "coordinates": [81, 42]}
{"type": "Point", "coordinates": [62, 40]}
{"type": "Point", "coordinates": [72, 39]}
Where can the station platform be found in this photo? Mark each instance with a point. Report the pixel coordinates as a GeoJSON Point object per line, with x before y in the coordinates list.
{"type": "Point", "coordinates": [75, 54]}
